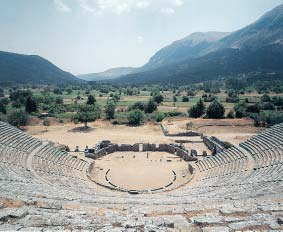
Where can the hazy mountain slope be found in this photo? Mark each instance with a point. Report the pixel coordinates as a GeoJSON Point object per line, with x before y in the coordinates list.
{"type": "Point", "coordinates": [187, 48]}
{"type": "Point", "coordinates": [108, 74]}
{"type": "Point", "coordinates": [212, 66]}
{"type": "Point", "coordinates": [257, 47]}
{"type": "Point", "coordinates": [267, 30]}
{"type": "Point", "coordinates": [30, 69]}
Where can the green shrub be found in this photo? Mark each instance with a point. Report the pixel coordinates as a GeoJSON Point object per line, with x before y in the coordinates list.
{"type": "Point", "coordinates": [18, 118]}
{"type": "Point", "coordinates": [110, 109]}
{"type": "Point", "coordinates": [185, 99]}
{"type": "Point", "coordinates": [151, 106]}
{"type": "Point", "coordinates": [174, 113]}
{"type": "Point", "coordinates": [215, 110]}
{"type": "Point", "coordinates": [137, 106]}
{"type": "Point", "coordinates": [135, 117]}
{"type": "Point", "coordinates": [255, 108]}
{"type": "Point", "coordinates": [231, 114]}
{"type": "Point", "coordinates": [197, 110]}
{"type": "Point", "coordinates": [159, 116]}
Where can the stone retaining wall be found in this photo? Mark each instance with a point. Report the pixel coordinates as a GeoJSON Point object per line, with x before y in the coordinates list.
{"type": "Point", "coordinates": [182, 134]}
{"type": "Point", "coordinates": [211, 144]}
{"type": "Point", "coordinates": [225, 145]}
{"type": "Point", "coordinates": [146, 147]}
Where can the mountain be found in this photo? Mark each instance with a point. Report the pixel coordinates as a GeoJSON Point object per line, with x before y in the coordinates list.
{"type": "Point", "coordinates": [31, 69]}
{"type": "Point", "coordinates": [255, 48]}
{"type": "Point", "coordinates": [184, 49]}
{"type": "Point", "coordinates": [215, 65]}
{"type": "Point", "coordinates": [267, 30]}
{"type": "Point", "coordinates": [189, 47]}
{"type": "Point", "coordinates": [108, 74]}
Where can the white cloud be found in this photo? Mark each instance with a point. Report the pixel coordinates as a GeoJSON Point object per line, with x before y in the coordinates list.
{"type": "Point", "coordinates": [60, 5]}
{"type": "Point", "coordinates": [167, 10]}
{"type": "Point", "coordinates": [99, 6]}
{"type": "Point", "coordinates": [143, 4]}
{"type": "Point", "coordinates": [140, 39]}
{"type": "Point", "coordinates": [84, 4]}
{"type": "Point", "coordinates": [125, 6]}
{"type": "Point", "coordinates": [178, 2]}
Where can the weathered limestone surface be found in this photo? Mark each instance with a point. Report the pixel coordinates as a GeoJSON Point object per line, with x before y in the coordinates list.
{"type": "Point", "coordinates": [46, 189]}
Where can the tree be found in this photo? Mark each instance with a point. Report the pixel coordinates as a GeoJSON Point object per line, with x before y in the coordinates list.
{"type": "Point", "coordinates": [159, 116]}
{"type": "Point", "coordinates": [91, 100]}
{"type": "Point", "coordinates": [137, 106]}
{"type": "Point", "coordinates": [240, 110]}
{"type": "Point", "coordinates": [31, 105]}
{"type": "Point", "coordinates": [191, 93]}
{"type": "Point", "coordinates": [87, 113]}
{"type": "Point", "coordinates": [59, 100]}
{"type": "Point", "coordinates": [57, 91]}
{"type": "Point", "coordinates": [158, 98]}
{"type": "Point", "coordinates": [46, 123]}
{"type": "Point", "coordinates": [115, 98]}
{"type": "Point", "coordinates": [151, 106]}
{"type": "Point", "coordinates": [232, 96]}
{"type": "Point", "coordinates": [255, 108]}
{"type": "Point", "coordinates": [135, 117]}
{"type": "Point", "coordinates": [110, 109]}
{"type": "Point", "coordinates": [20, 95]}
{"type": "Point", "coordinates": [197, 110]}
{"type": "Point", "coordinates": [175, 98]}
{"type": "Point", "coordinates": [185, 99]}
{"type": "Point", "coordinates": [268, 106]}
{"type": "Point", "coordinates": [265, 98]}
{"type": "Point", "coordinates": [3, 107]}
{"type": "Point", "coordinates": [215, 110]}
{"type": "Point", "coordinates": [18, 118]}
{"type": "Point", "coordinates": [69, 91]}
{"type": "Point", "coordinates": [231, 114]}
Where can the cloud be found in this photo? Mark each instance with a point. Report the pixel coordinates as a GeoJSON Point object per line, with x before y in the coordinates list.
{"type": "Point", "coordinates": [140, 39]}
{"type": "Point", "coordinates": [99, 6]}
{"type": "Point", "coordinates": [167, 10]}
{"type": "Point", "coordinates": [143, 4]}
{"type": "Point", "coordinates": [125, 6]}
{"type": "Point", "coordinates": [178, 2]}
{"type": "Point", "coordinates": [60, 5]}
{"type": "Point", "coordinates": [85, 5]}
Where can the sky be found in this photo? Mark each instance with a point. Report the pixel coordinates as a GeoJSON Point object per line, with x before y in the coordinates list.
{"type": "Point", "coordinates": [86, 36]}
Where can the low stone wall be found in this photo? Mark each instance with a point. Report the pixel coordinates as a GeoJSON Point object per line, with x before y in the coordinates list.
{"type": "Point", "coordinates": [111, 148]}
{"type": "Point", "coordinates": [125, 147]}
{"type": "Point", "coordinates": [225, 145]}
{"type": "Point", "coordinates": [147, 147]}
{"type": "Point", "coordinates": [186, 134]}
{"type": "Point", "coordinates": [211, 145]}
{"type": "Point", "coordinates": [191, 169]}
{"type": "Point", "coordinates": [182, 134]}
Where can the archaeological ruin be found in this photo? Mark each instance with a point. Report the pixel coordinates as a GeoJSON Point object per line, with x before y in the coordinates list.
{"type": "Point", "coordinates": [46, 188]}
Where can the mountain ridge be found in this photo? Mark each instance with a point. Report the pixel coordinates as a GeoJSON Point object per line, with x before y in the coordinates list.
{"type": "Point", "coordinates": [186, 48]}
{"type": "Point", "coordinates": [32, 69]}
{"type": "Point", "coordinates": [261, 38]}
{"type": "Point", "coordinates": [107, 74]}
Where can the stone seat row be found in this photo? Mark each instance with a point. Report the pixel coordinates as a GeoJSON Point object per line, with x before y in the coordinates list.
{"type": "Point", "coordinates": [258, 159]}
{"type": "Point", "coordinates": [252, 168]}
{"type": "Point", "coordinates": [13, 137]}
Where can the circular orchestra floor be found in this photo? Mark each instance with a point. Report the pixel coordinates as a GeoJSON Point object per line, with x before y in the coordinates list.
{"type": "Point", "coordinates": [140, 171]}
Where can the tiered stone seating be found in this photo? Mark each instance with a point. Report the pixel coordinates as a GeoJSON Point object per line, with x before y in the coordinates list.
{"type": "Point", "coordinates": [239, 189]}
